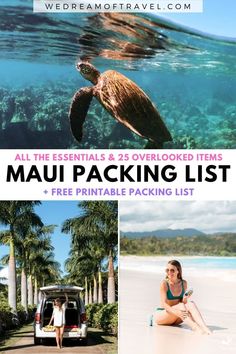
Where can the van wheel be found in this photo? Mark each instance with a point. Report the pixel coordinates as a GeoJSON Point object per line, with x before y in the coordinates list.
{"type": "Point", "coordinates": [37, 341]}
{"type": "Point", "coordinates": [83, 341]}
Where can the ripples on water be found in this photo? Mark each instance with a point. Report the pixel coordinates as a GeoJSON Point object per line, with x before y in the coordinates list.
{"type": "Point", "coordinates": [189, 76]}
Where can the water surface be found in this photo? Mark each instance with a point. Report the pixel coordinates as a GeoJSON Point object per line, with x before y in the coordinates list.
{"type": "Point", "coordinates": [188, 75]}
{"type": "Point", "coordinates": [216, 267]}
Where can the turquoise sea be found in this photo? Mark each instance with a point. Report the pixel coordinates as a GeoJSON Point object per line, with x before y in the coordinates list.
{"type": "Point", "coordinates": [216, 267]}
{"type": "Point", "coordinates": [189, 76]}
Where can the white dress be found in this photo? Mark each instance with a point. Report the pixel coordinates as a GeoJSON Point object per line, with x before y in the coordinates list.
{"type": "Point", "coordinates": [59, 315]}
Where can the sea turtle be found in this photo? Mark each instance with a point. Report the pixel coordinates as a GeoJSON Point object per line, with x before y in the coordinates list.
{"type": "Point", "coordinates": [123, 99]}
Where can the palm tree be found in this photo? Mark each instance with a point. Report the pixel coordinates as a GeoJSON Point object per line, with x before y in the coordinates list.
{"type": "Point", "coordinates": [11, 214]}
{"type": "Point", "coordinates": [46, 269]}
{"type": "Point", "coordinates": [97, 227]}
{"type": "Point", "coordinates": [83, 266]}
{"type": "Point", "coordinates": [100, 294]}
{"type": "Point", "coordinates": [86, 295]}
{"type": "Point", "coordinates": [32, 252]}
{"type": "Point", "coordinates": [38, 245]}
{"type": "Point", "coordinates": [104, 216]}
{"type": "Point", "coordinates": [79, 269]}
{"type": "Point", "coordinates": [101, 217]}
{"type": "Point", "coordinates": [43, 270]}
{"type": "Point", "coordinates": [30, 241]}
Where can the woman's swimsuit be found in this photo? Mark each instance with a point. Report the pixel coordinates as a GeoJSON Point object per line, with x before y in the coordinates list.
{"type": "Point", "coordinates": [170, 296]}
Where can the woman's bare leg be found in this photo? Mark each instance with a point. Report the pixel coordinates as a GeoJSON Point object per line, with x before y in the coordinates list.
{"type": "Point", "coordinates": [196, 315]}
{"type": "Point", "coordinates": [58, 337]}
{"type": "Point", "coordinates": [189, 320]}
{"type": "Point", "coordinates": [61, 335]}
{"type": "Point", "coordinates": [165, 318]}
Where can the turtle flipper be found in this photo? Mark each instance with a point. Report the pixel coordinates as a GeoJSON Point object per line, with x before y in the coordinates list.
{"type": "Point", "coordinates": [78, 111]}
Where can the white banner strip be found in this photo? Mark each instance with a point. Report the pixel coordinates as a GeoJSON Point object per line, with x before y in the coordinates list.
{"type": "Point", "coordinates": [157, 6]}
{"type": "Point", "coordinates": [118, 175]}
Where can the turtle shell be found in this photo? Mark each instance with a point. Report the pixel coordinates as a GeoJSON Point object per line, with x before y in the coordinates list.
{"type": "Point", "coordinates": [126, 102]}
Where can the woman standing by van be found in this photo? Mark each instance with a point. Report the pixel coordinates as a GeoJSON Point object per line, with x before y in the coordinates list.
{"type": "Point", "coordinates": [58, 316]}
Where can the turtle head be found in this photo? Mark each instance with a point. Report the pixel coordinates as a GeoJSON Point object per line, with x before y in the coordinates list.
{"type": "Point", "coordinates": [88, 71]}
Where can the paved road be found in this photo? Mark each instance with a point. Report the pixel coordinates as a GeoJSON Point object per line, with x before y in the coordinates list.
{"type": "Point", "coordinates": [25, 345]}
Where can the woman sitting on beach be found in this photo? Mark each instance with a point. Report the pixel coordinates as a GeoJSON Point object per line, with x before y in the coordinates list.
{"type": "Point", "coordinates": [175, 307]}
{"type": "Point", "coordinates": [58, 316]}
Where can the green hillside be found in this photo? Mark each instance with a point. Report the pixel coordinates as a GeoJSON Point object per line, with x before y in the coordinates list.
{"type": "Point", "coordinates": [209, 245]}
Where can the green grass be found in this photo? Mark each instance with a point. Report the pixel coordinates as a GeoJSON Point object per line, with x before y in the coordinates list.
{"type": "Point", "coordinates": [108, 343]}
{"type": "Point", "coordinates": [10, 337]}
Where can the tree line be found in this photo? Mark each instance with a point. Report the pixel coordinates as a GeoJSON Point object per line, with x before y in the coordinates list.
{"type": "Point", "coordinates": [31, 259]}
{"type": "Point", "coordinates": [223, 244]}
{"type": "Point", "coordinates": [94, 245]}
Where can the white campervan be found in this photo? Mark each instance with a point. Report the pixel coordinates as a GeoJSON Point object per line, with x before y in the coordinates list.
{"type": "Point", "coordinates": [75, 316]}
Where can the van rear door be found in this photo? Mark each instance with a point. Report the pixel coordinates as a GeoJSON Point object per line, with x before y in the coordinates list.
{"type": "Point", "coordinates": [57, 290]}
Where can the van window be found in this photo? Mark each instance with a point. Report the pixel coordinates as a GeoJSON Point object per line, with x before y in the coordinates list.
{"type": "Point", "coordinates": [47, 312]}
{"type": "Point", "coordinates": [72, 305]}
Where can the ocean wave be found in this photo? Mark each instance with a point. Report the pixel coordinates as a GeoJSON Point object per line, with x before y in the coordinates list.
{"type": "Point", "coordinates": [213, 267]}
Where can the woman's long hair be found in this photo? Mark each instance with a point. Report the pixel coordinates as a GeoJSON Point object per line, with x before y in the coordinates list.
{"type": "Point", "coordinates": [58, 300]}
{"type": "Point", "coordinates": [179, 268]}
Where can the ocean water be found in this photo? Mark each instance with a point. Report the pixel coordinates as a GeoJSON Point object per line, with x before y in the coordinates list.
{"type": "Point", "coordinates": [189, 76]}
{"type": "Point", "coordinates": [215, 267]}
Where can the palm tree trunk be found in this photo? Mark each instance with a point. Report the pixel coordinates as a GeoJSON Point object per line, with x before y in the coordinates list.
{"type": "Point", "coordinates": [40, 296]}
{"type": "Point", "coordinates": [100, 295]}
{"type": "Point", "coordinates": [90, 294]}
{"type": "Point", "coordinates": [30, 291]}
{"type": "Point", "coordinates": [86, 300]}
{"type": "Point", "coordinates": [12, 277]}
{"type": "Point", "coordinates": [111, 281]}
{"type": "Point", "coordinates": [95, 290]}
{"type": "Point", "coordinates": [24, 299]}
{"type": "Point", "coordinates": [35, 291]}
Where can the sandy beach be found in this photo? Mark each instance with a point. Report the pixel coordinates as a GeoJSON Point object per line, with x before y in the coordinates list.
{"type": "Point", "coordinates": [139, 296]}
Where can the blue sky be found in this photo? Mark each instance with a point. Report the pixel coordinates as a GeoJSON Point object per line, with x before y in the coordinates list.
{"type": "Point", "coordinates": [55, 212]}
{"type": "Point", "coordinates": [217, 18]}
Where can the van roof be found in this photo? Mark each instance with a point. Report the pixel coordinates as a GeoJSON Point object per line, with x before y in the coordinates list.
{"type": "Point", "coordinates": [61, 288]}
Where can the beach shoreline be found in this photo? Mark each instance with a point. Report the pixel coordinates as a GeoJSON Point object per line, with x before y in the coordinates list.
{"type": "Point", "coordinates": [138, 298]}
{"type": "Point", "coordinates": [194, 266]}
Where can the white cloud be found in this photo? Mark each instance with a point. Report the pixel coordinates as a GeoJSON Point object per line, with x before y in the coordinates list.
{"type": "Point", "coordinates": [4, 274]}
{"type": "Point", "coordinates": [210, 216]}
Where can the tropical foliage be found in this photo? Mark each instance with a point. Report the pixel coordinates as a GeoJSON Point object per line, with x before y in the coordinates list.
{"type": "Point", "coordinates": [94, 241]}
{"type": "Point", "coordinates": [9, 320]}
{"type": "Point", "coordinates": [31, 257]}
{"type": "Point", "coordinates": [104, 317]}
{"type": "Point", "coordinates": [221, 244]}
{"type": "Point", "coordinates": [31, 263]}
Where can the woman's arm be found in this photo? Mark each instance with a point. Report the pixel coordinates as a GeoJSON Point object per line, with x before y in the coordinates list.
{"type": "Point", "coordinates": [167, 307]}
{"type": "Point", "coordinates": [185, 298]}
{"type": "Point", "coordinates": [51, 319]}
{"type": "Point", "coordinates": [66, 302]}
